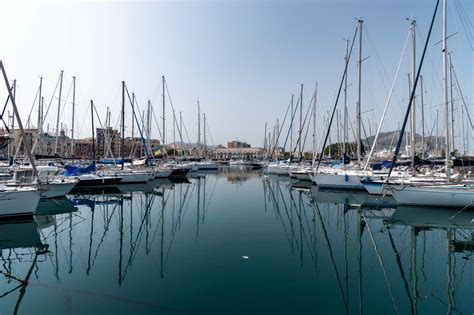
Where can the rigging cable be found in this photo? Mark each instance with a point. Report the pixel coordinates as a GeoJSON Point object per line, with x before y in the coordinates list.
{"type": "Point", "coordinates": [386, 104]}
{"type": "Point", "coordinates": [397, 149]}
{"type": "Point", "coordinates": [337, 99]}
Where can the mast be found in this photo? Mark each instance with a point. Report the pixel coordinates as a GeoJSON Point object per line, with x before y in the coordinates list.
{"type": "Point", "coordinates": [291, 127]}
{"type": "Point", "coordinates": [73, 113]}
{"type": "Point", "coordinates": [446, 103]}
{"type": "Point", "coordinates": [132, 150]}
{"type": "Point", "coordinates": [39, 106]}
{"type": "Point", "coordinates": [338, 135]}
{"type": "Point", "coordinates": [359, 127]}
{"type": "Point", "coordinates": [175, 124]}
{"type": "Point", "coordinates": [437, 132]}
{"type": "Point", "coordinates": [269, 145]}
{"type": "Point", "coordinates": [345, 117]}
{"type": "Point", "coordinates": [413, 106]}
{"type": "Point", "coordinates": [265, 141]}
{"type": "Point", "coordinates": [181, 131]}
{"type": "Point", "coordinates": [59, 112]}
{"type": "Point", "coordinates": [14, 96]}
{"type": "Point", "coordinates": [42, 123]}
{"type": "Point", "coordinates": [423, 150]}
{"type": "Point", "coordinates": [9, 146]}
{"type": "Point", "coordinates": [409, 138]}
{"type": "Point", "coordinates": [148, 124]}
{"type": "Point", "coordinates": [301, 122]}
{"type": "Point", "coordinates": [314, 120]}
{"type": "Point", "coordinates": [133, 120]}
{"type": "Point", "coordinates": [199, 131]}
{"type": "Point", "coordinates": [275, 134]}
{"type": "Point", "coordinates": [163, 78]}
{"type": "Point", "coordinates": [122, 131]}
{"type": "Point", "coordinates": [143, 134]}
{"type": "Point", "coordinates": [105, 131]}
{"type": "Point", "coordinates": [93, 132]}
{"type": "Point", "coordinates": [452, 99]}
{"type": "Point", "coordinates": [204, 127]}
{"type": "Point", "coordinates": [20, 125]}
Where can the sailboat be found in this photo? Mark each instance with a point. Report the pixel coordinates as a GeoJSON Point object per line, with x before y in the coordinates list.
{"type": "Point", "coordinates": [336, 178]}
{"type": "Point", "coordinates": [86, 175]}
{"type": "Point", "coordinates": [129, 176]}
{"type": "Point", "coordinates": [449, 196]}
{"type": "Point", "coordinates": [303, 170]}
{"type": "Point", "coordinates": [283, 167]}
{"type": "Point", "coordinates": [203, 165]}
{"type": "Point", "coordinates": [377, 184]}
{"type": "Point", "coordinates": [178, 169]}
{"type": "Point", "coordinates": [42, 177]}
{"type": "Point", "coordinates": [51, 185]}
{"type": "Point", "coordinates": [16, 201]}
{"type": "Point", "coordinates": [455, 195]}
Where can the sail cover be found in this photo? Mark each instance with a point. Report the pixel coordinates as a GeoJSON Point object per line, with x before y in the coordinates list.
{"type": "Point", "coordinates": [71, 170]}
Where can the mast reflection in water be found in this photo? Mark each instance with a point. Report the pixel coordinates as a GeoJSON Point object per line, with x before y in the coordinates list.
{"type": "Point", "coordinates": [235, 242]}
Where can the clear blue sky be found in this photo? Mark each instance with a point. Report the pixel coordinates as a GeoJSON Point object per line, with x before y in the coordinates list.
{"type": "Point", "coordinates": [241, 59]}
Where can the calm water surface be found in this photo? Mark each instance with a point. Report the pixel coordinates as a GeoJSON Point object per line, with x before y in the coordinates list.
{"type": "Point", "coordinates": [235, 242]}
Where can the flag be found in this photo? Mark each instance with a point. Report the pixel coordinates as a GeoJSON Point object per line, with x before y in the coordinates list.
{"type": "Point", "coordinates": [157, 151]}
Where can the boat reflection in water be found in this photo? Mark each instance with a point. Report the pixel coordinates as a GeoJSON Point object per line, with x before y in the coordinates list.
{"type": "Point", "coordinates": [359, 239]}
{"type": "Point", "coordinates": [459, 226]}
{"type": "Point", "coordinates": [55, 206]}
{"type": "Point", "coordinates": [353, 198]}
{"type": "Point", "coordinates": [21, 249]}
{"type": "Point", "coordinates": [179, 248]}
{"type": "Point", "coordinates": [19, 234]}
{"type": "Point", "coordinates": [135, 221]}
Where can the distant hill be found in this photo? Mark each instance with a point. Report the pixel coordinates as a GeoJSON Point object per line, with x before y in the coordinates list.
{"type": "Point", "coordinates": [387, 140]}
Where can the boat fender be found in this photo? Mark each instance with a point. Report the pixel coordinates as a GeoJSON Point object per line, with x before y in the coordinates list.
{"type": "Point", "coordinates": [346, 178]}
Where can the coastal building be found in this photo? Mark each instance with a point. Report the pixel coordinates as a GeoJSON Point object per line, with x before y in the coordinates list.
{"type": "Point", "coordinates": [237, 144]}
{"type": "Point", "coordinates": [107, 137]}
{"type": "Point", "coordinates": [44, 145]}
{"type": "Point", "coordinates": [247, 153]}
{"type": "Point", "coordinates": [83, 148]}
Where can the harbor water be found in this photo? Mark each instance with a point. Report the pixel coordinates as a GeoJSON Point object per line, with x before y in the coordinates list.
{"type": "Point", "coordinates": [235, 242]}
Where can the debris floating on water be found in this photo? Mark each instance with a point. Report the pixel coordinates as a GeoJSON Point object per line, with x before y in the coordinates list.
{"type": "Point", "coordinates": [245, 257]}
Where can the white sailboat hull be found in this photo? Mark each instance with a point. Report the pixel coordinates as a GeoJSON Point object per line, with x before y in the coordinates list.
{"type": "Point", "coordinates": [53, 188]}
{"type": "Point", "coordinates": [207, 166]}
{"type": "Point", "coordinates": [163, 173]}
{"type": "Point", "coordinates": [434, 196]}
{"type": "Point", "coordinates": [376, 188]}
{"type": "Point", "coordinates": [338, 181]}
{"type": "Point", "coordinates": [56, 190]}
{"type": "Point", "coordinates": [18, 202]}
{"type": "Point", "coordinates": [282, 170]}
{"type": "Point", "coordinates": [128, 178]}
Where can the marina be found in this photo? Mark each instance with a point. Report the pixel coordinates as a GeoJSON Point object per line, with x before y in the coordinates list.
{"type": "Point", "coordinates": [251, 157]}
{"type": "Point", "coordinates": [236, 242]}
